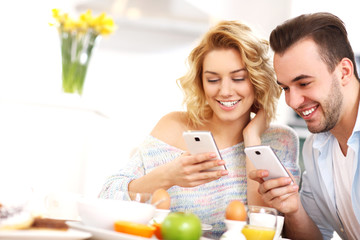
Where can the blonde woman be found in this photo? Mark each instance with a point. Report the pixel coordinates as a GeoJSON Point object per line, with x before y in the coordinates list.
{"type": "Point", "coordinates": [229, 77]}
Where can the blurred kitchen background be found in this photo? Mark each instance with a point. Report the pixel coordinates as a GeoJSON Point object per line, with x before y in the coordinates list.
{"type": "Point", "coordinates": [54, 141]}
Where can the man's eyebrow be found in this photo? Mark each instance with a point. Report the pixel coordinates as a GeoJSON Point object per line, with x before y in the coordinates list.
{"type": "Point", "coordinates": [298, 78]}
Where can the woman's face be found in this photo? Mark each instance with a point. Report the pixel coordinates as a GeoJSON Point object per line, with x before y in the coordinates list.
{"type": "Point", "coordinates": [227, 88]}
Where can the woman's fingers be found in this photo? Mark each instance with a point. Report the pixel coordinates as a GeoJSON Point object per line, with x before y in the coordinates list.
{"type": "Point", "coordinates": [202, 162]}
{"type": "Point", "coordinates": [192, 169]}
{"type": "Point", "coordinates": [204, 177]}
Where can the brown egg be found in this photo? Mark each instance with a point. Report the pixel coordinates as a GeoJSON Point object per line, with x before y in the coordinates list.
{"type": "Point", "coordinates": [235, 211]}
{"type": "Point", "coordinates": [161, 199]}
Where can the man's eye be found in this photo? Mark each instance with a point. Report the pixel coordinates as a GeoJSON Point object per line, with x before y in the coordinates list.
{"type": "Point", "coordinates": [304, 84]}
{"type": "Point", "coordinates": [285, 88]}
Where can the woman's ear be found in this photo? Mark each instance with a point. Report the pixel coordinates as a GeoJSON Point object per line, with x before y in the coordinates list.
{"type": "Point", "coordinates": [347, 70]}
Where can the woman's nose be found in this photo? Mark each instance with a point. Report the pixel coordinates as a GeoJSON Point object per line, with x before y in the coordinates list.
{"type": "Point", "coordinates": [226, 88]}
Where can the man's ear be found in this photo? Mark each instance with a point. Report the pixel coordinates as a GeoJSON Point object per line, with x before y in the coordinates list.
{"type": "Point", "coordinates": [347, 70]}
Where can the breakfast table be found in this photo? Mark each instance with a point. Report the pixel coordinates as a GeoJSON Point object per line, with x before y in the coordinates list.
{"type": "Point", "coordinates": [101, 234]}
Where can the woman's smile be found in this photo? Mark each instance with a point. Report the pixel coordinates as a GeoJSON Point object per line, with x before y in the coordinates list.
{"type": "Point", "coordinates": [228, 105]}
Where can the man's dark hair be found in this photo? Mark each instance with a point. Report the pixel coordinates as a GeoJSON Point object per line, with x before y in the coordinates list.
{"type": "Point", "coordinates": [325, 29]}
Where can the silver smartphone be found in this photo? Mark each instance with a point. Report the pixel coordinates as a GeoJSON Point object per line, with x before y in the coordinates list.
{"type": "Point", "coordinates": [202, 142]}
{"type": "Point", "coordinates": [263, 157]}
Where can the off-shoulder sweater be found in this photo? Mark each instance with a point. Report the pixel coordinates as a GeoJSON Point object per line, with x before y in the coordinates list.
{"type": "Point", "coordinates": [207, 201]}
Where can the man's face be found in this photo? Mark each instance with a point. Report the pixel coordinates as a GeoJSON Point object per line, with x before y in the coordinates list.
{"type": "Point", "coordinates": [310, 89]}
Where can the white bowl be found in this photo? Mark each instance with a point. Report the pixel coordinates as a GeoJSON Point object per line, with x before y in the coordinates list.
{"type": "Point", "coordinates": [102, 213]}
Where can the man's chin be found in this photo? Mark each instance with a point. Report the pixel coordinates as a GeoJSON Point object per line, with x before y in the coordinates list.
{"type": "Point", "coordinates": [313, 128]}
{"type": "Point", "coordinates": [317, 128]}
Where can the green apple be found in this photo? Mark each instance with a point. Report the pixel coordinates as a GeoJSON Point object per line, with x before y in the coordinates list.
{"type": "Point", "coordinates": [181, 226]}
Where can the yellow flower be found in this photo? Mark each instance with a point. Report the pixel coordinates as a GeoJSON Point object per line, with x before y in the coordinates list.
{"type": "Point", "coordinates": [58, 17]}
{"type": "Point", "coordinates": [85, 21]}
{"type": "Point", "coordinates": [104, 25]}
{"type": "Point", "coordinates": [57, 14]}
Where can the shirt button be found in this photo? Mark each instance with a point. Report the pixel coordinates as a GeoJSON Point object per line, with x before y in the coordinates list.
{"type": "Point", "coordinates": [341, 229]}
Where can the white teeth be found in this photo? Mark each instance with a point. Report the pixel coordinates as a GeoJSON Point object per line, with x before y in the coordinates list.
{"type": "Point", "coordinates": [228, 104]}
{"type": "Point", "coordinates": [308, 112]}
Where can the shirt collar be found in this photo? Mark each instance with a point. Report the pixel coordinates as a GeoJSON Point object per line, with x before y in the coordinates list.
{"type": "Point", "coordinates": [357, 123]}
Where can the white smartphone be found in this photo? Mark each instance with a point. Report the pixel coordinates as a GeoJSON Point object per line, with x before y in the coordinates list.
{"type": "Point", "coordinates": [202, 142]}
{"type": "Point", "coordinates": [263, 157]}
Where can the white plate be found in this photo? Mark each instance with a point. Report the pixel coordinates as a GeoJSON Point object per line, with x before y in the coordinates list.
{"type": "Point", "coordinates": [34, 234]}
{"type": "Point", "coordinates": [100, 233]}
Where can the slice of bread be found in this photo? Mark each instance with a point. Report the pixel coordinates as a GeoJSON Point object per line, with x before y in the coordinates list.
{"type": "Point", "coordinates": [49, 223]}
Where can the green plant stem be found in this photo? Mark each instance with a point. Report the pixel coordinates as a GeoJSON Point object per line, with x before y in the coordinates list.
{"type": "Point", "coordinates": [76, 51]}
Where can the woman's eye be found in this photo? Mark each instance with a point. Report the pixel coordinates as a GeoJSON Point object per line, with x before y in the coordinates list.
{"type": "Point", "coordinates": [238, 79]}
{"type": "Point", "coordinates": [213, 80]}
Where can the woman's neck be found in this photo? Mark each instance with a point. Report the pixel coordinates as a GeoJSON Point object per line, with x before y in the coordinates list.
{"type": "Point", "coordinates": [226, 134]}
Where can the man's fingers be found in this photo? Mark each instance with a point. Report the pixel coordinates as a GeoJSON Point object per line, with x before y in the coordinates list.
{"type": "Point", "coordinates": [278, 188]}
{"type": "Point", "coordinates": [278, 182]}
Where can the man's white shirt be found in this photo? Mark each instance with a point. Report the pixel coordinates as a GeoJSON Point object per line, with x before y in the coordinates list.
{"type": "Point", "coordinates": [343, 172]}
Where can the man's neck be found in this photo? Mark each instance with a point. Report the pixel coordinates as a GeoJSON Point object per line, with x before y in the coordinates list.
{"type": "Point", "coordinates": [344, 128]}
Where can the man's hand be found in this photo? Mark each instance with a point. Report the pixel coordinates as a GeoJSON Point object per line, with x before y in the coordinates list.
{"type": "Point", "coordinates": [277, 193]}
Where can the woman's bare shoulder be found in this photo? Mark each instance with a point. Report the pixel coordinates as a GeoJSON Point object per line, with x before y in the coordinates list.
{"type": "Point", "coordinates": [170, 127]}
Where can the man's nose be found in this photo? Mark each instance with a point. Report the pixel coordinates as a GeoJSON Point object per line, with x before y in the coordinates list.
{"type": "Point", "coordinates": [294, 98]}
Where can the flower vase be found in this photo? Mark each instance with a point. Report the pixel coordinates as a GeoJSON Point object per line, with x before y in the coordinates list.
{"type": "Point", "coordinates": [78, 38]}
{"type": "Point", "coordinates": [76, 51]}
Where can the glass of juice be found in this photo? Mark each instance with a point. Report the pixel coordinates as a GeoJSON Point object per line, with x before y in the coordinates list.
{"type": "Point", "coordinates": [261, 223]}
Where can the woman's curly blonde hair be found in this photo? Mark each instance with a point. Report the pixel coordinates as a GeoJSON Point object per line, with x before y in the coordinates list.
{"type": "Point", "coordinates": [255, 55]}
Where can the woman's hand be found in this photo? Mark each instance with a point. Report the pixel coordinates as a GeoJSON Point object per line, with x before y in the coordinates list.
{"type": "Point", "coordinates": [255, 128]}
{"type": "Point", "coordinates": [252, 136]}
{"type": "Point", "coordinates": [190, 170]}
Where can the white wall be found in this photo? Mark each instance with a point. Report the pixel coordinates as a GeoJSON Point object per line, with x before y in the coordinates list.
{"type": "Point", "coordinates": [58, 142]}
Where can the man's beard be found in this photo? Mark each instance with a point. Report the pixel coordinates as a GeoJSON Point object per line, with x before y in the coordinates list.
{"type": "Point", "coordinates": [331, 109]}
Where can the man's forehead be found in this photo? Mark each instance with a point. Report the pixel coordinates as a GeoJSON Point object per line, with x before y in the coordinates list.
{"type": "Point", "coordinates": [298, 46]}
